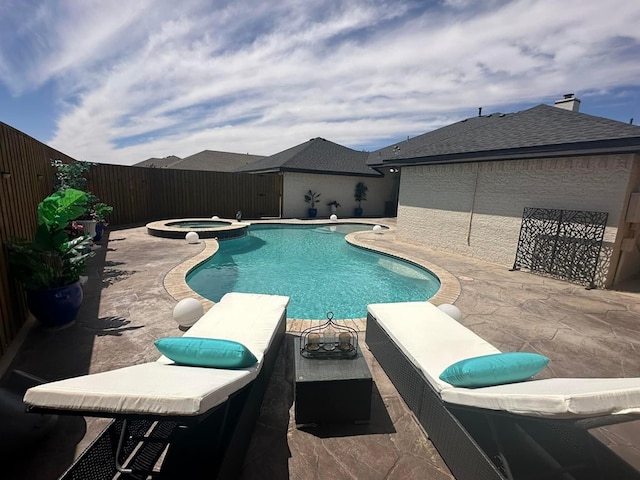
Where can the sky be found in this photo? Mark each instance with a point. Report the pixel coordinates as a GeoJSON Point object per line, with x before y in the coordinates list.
{"type": "Point", "coordinates": [121, 81]}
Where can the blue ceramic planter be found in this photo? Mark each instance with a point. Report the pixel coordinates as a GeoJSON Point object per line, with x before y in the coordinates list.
{"type": "Point", "coordinates": [56, 307]}
{"type": "Point", "coordinates": [99, 231]}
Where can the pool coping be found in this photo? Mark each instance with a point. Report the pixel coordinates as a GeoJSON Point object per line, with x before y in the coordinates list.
{"type": "Point", "coordinates": [176, 285]}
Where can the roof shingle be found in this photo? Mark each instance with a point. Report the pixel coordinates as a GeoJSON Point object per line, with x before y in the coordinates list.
{"type": "Point", "coordinates": [541, 130]}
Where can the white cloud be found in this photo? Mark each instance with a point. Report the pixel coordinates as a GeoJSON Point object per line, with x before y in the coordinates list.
{"type": "Point", "coordinates": [141, 79]}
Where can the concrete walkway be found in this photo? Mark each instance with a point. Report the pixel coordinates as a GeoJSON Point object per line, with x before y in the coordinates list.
{"type": "Point", "coordinates": [126, 307]}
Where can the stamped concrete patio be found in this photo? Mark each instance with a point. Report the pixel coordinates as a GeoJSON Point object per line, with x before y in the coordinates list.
{"type": "Point", "coordinates": [585, 333]}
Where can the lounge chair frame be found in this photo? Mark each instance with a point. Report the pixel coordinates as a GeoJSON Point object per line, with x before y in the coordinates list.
{"type": "Point", "coordinates": [481, 444]}
{"type": "Point", "coordinates": [211, 445]}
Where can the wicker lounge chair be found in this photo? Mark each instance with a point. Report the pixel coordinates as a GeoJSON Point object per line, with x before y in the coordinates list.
{"type": "Point", "coordinates": [204, 415]}
{"type": "Point", "coordinates": [532, 429]}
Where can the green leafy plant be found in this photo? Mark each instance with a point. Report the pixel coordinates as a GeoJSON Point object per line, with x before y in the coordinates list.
{"type": "Point", "coordinates": [360, 193]}
{"type": "Point", "coordinates": [71, 175]}
{"type": "Point", "coordinates": [53, 259]}
{"type": "Point", "coordinates": [312, 198]}
{"type": "Point", "coordinates": [101, 211]}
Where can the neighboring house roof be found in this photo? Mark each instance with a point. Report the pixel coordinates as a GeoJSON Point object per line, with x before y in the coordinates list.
{"type": "Point", "coordinates": [538, 132]}
{"type": "Point", "coordinates": [315, 156]}
{"type": "Point", "coordinates": [212, 160]}
{"type": "Point", "coordinates": [158, 162]}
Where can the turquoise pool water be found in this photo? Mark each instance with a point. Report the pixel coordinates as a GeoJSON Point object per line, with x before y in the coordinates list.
{"type": "Point", "coordinates": [315, 266]}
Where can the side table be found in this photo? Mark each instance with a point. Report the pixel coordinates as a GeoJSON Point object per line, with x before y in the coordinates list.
{"type": "Point", "coordinates": [331, 390]}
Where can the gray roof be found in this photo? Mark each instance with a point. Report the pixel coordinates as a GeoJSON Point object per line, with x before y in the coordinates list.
{"type": "Point", "coordinates": [538, 132]}
{"type": "Point", "coordinates": [215, 161]}
{"type": "Point", "coordinates": [165, 162]}
{"type": "Point", "coordinates": [315, 156]}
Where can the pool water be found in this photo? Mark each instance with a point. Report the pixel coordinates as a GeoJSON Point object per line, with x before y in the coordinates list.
{"type": "Point", "coordinates": [315, 266]}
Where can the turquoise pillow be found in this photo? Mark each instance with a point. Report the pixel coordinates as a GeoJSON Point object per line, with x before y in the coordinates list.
{"type": "Point", "coordinates": [206, 352]}
{"type": "Point", "coordinates": [495, 369]}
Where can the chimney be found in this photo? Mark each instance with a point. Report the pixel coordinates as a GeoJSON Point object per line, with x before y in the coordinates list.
{"type": "Point", "coordinates": [569, 102]}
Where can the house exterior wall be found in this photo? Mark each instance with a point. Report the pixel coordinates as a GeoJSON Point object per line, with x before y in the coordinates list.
{"type": "Point", "coordinates": [334, 187]}
{"type": "Point", "coordinates": [476, 209]}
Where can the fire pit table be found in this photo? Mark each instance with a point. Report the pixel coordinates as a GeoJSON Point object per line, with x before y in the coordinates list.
{"type": "Point", "coordinates": [334, 387]}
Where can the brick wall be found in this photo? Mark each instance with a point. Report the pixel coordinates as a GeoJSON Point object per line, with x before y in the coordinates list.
{"type": "Point", "coordinates": [436, 202]}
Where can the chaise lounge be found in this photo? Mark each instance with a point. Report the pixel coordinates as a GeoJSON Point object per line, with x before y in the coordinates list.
{"type": "Point", "coordinates": [527, 429]}
{"type": "Point", "coordinates": [205, 415]}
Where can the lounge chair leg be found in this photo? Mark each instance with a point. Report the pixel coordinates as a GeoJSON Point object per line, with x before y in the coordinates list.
{"type": "Point", "coordinates": [123, 433]}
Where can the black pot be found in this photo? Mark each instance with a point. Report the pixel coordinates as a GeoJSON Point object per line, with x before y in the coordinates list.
{"type": "Point", "coordinates": [357, 212]}
{"type": "Point", "coordinates": [57, 306]}
{"type": "Point", "coordinates": [313, 212]}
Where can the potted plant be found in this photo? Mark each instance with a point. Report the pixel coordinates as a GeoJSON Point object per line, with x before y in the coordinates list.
{"type": "Point", "coordinates": [312, 198]}
{"type": "Point", "coordinates": [50, 265]}
{"type": "Point", "coordinates": [360, 195]}
{"type": "Point", "coordinates": [100, 213]}
{"type": "Point", "coordinates": [71, 175]}
{"type": "Point", "coordinates": [333, 206]}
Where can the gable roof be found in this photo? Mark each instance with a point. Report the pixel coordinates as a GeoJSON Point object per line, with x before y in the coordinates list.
{"type": "Point", "coordinates": [315, 156]}
{"type": "Point", "coordinates": [165, 162]}
{"type": "Point", "coordinates": [212, 160]}
{"type": "Point", "coordinates": [538, 132]}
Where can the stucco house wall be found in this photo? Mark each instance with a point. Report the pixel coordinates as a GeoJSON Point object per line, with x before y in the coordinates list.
{"type": "Point", "coordinates": [476, 209]}
{"type": "Point", "coordinates": [334, 187]}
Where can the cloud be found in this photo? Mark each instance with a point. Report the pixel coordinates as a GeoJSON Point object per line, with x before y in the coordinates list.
{"type": "Point", "coordinates": [148, 79]}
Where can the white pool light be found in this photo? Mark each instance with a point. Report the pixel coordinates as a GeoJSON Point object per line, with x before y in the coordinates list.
{"type": "Point", "coordinates": [192, 237]}
{"type": "Point", "coordinates": [187, 312]}
{"type": "Point", "coordinates": [377, 228]}
{"type": "Point", "coordinates": [215, 217]}
{"type": "Point", "coordinates": [333, 218]}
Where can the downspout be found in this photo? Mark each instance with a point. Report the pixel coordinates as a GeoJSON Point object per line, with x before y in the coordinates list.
{"type": "Point", "coordinates": [473, 204]}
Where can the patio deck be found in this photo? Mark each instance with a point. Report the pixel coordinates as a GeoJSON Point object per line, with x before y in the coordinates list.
{"type": "Point", "coordinates": [126, 307]}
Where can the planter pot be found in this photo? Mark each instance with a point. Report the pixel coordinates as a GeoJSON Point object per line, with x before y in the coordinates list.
{"type": "Point", "coordinates": [57, 306]}
{"type": "Point", "coordinates": [313, 212]}
{"type": "Point", "coordinates": [88, 227]}
{"type": "Point", "coordinates": [99, 231]}
{"type": "Point", "coordinates": [357, 212]}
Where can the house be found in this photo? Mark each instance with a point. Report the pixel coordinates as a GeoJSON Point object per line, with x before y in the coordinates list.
{"type": "Point", "coordinates": [154, 162]}
{"type": "Point", "coordinates": [333, 171]}
{"type": "Point", "coordinates": [464, 187]}
{"type": "Point", "coordinates": [207, 160]}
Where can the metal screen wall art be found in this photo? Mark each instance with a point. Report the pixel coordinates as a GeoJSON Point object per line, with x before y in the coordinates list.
{"type": "Point", "coordinates": [563, 244]}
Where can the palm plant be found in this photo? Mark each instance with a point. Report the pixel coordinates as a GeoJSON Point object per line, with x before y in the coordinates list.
{"type": "Point", "coordinates": [312, 198]}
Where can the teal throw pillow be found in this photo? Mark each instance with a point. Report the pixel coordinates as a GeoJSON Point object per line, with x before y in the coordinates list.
{"type": "Point", "coordinates": [206, 352]}
{"type": "Point", "coordinates": [495, 369]}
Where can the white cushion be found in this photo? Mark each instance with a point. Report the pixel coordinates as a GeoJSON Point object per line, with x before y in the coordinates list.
{"type": "Point", "coordinates": [555, 397]}
{"type": "Point", "coordinates": [162, 388]}
{"type": "Point", "coordinates": [150, 388]}
{"type": "Point", "coordinates": [430, 338]}
{"type": "Point", "coordinates": [432, 341]}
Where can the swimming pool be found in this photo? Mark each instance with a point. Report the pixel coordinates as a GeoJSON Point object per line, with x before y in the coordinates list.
{"type": "Point", "coordinates": [315, 266]}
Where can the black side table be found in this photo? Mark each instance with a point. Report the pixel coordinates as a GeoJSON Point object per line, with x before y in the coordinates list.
{"type": "Point", "coordinates": [331, 390]}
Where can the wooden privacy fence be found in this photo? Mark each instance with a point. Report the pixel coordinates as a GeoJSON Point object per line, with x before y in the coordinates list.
{"type": "Point", "coordinates": [138, 195]}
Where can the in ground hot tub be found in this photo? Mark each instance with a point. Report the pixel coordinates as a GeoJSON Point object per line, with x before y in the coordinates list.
{"type": "Point", "coordinates": [204, 227]}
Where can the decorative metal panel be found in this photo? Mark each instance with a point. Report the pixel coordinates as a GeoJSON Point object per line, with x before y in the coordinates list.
{"type": "Point", "coordinates": [563, 244]}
